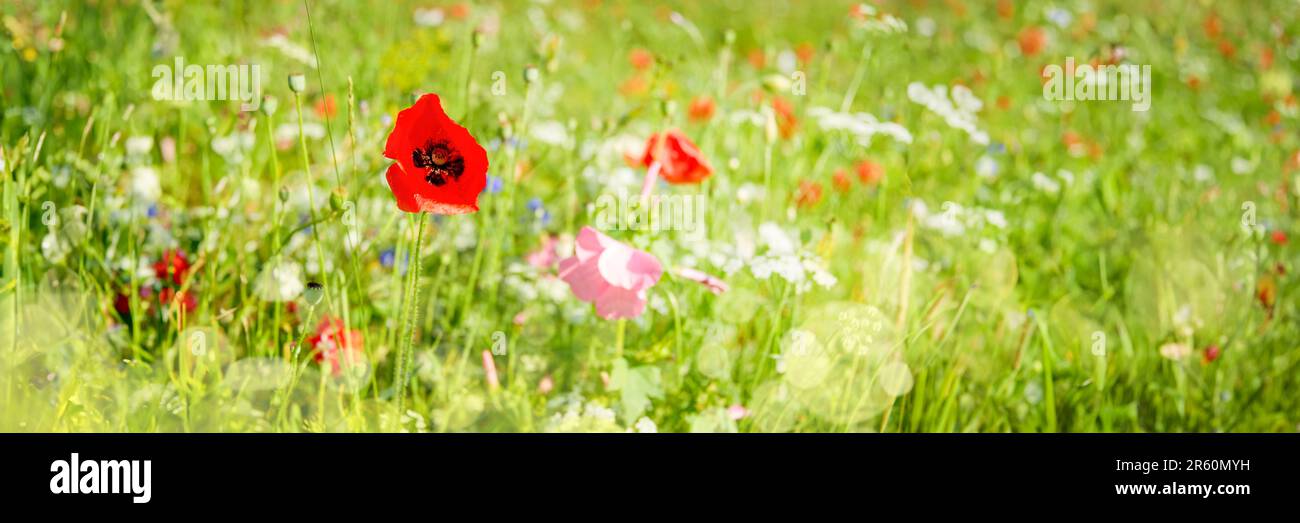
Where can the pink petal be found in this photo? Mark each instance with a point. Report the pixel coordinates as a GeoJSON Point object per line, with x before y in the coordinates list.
{"type": "Point", "coordinates": [583, 278]}
{"type": "Point", "coordinates": [617, 303]}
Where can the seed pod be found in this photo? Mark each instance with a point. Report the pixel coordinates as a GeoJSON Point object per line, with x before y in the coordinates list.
{"type": "Point", "coordinates": [313, 293]}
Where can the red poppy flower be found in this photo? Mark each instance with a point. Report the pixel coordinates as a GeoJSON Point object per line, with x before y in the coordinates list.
{"type": "Point", "coordinates": [1212, 352]}
{"type": "Point", "coordinates": [325, 107]}
{"type": "Point", "coordinates": [841, 181]}
{"type": "Point", "coordinates": [640, 59]}
{"type": "Point", "coordinates": [785, 118]}
{"type": "Point", "coordinates": [805, 52]}
{"type": "Point", "coordinates": [1212, 26]}
{"type": "Point", "coordinates": [701, 109]}
{"type": "Point", "coordinates": [440, 167]}
{"type": "Point", "coordinates": [173, 265]}
{"type": "Point", "coordinates": [335, 345]}
{"type": "Point", "coordinates": [1006, 9]}
{"type": "Point", "coordinates": [184, 299]}
{"type": "Point", "coordinates": [870, 172]}
{"type": "Point", "coordinates": [809, 193]}
{"type": "Point", "coordinates": [680, 161]}
{"type": "Point", "coordinates": [1279, 237]}
{"type": "Point", "coordinates": [1032, 40]}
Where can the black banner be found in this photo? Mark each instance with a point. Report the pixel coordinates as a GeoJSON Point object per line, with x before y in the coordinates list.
{"type": "Point", "coordinates": [151, 472]}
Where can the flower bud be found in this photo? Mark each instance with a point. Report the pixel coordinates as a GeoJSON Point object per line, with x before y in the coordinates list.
{"type": "Point", "coordinates": [776, 83]}
{"type": "Point", "coordinates": [313, 293]}
{"type": "Point", "coordinates": [336, 200]}
{"type": "Point", "coordinates": [531, 74]}
{"type": "Point", "coordinates": [297, 82]}
{"type": "Point", "coordinates": [269, 104]}
{"type": "Point", "coordinates": [284, 194]}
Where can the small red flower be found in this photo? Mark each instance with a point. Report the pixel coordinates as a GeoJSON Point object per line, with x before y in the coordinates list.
{"type": "Point", "coordinates": [680, 161]}
{"type": "Point", "coordinates": [334, 344]}
{"type": "Point", "coordinates": [325, 107]}
{"type": "Point", "coordinates": [1032, 40]}
{"type": "Point", "coordinates": [172, 266]}
{"type": "Point", "coordinates": [184, 299]}
{"type": "Point", "coordinates": [1266, 293]}
{"type": "Point", "coordinates": [459, 11]}
{"type": "Point", "coordinates": [785, 118]}
{"type": "Point", "coordinates": [1212, 352]}
{"type": "Point", "coordinates": [440, 167]}
{"type": "Point", "coordinates": [1213, 26]}
{"type": "Point", "coordinates": [841, 181]}
{"type": "Point", "coordinates": [805, 52]}
{"type": "Point", "coordinates": [870, 172]}
{"type": "Point", "coordinates": [809, 193]}
{"type": "Point", "coordinates": [701, 109]}
{"type": "Point", "coordinates": [640, 59]}
{"type": "Point", "coordinates": [1279, 237]}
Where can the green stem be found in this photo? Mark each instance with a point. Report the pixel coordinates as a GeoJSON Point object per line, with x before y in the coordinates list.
{"type": "Point", "coordinates": [311, 199]}
{"type": "Point", "coordinates": [619, 337]}
{"type": "Point", "coordinates": [410, 311]}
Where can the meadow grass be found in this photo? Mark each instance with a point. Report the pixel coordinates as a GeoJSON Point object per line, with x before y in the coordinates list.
{"type": "Point", "coordinates": [1080, 267]}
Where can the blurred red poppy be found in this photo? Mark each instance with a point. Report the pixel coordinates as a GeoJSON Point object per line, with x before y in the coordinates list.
{"type": "Point", "coordinates": [1212, 352]}
{"type": "Point", "coordinates": [680, 161]}
{"type": "Point", "coordinates": [870, 172]}
{"type": "Point", "coordinates": [184, 299]}
{"type": "Point", "coordinates": [1212, 26]}
{"type": "Point", "coordinates": [335, 345]}
{"type": "Point", "coordinates": [701, 109]}
{"type": "Point", "coordinates": [809, 193]}
{"type": "Point", "coordinates": [325, 107]}
{"type": "Point", "coordinates": [785, 118]}
{"type": "Point", "coordinates": [440, 167]}
{"type": "Point", "coordinates": [1032, 40]}
{"type": "Point", "coordinates": [841, 181]}
{"type": "Point", "coordinates": [172, 266]}
{"type": "Point", "coordinates": [640, 59]}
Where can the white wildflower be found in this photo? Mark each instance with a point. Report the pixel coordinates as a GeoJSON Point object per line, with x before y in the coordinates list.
{"type": "Point", "coordinates": [958, 112]}
{"type": "Point", "coordinates": [139, 145]}
{"type": "Point", "coordinates": [551, 133]}
{"type": "Point", "coordinates": [646, 426]}
{"type": "Point", "coordinates": [280, 281]}
{"type": "Point", "coordinates": [863, 126]}
{"type": "Point", "coordinates": [145, 185]}
{"type": "Point", "coordinates": [432, 17]}
{"type": "Point", "coordinates": [1045, 183]}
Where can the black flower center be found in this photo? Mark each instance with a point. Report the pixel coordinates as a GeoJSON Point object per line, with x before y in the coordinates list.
{"type": "Point", "coordinates": [442, 161]}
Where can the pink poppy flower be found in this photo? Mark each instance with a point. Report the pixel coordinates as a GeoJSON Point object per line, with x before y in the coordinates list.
{"type": "Point", "coordinates": [610, 274]}
{"type": "Point", "coordinates": [545, 256]}
{"type": "Point", "coordinates": [714, 285]}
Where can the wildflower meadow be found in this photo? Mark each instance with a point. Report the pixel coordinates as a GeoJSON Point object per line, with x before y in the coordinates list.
{"type": "Point", "coordinates": [624, 216]}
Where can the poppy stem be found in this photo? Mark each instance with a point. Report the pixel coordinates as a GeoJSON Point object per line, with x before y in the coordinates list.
{"type": "Point", "coordinates": [410, 310]}
{"type": "Point", "coordinates": [619, 336]}
{"type": "Point", "coordinates": [311, 196]}
{"type": "Point", "coordinates": [648, 185]}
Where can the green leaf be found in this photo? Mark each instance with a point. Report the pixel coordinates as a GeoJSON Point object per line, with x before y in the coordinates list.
{"type": "Point", "coordinates": [638, 385]}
